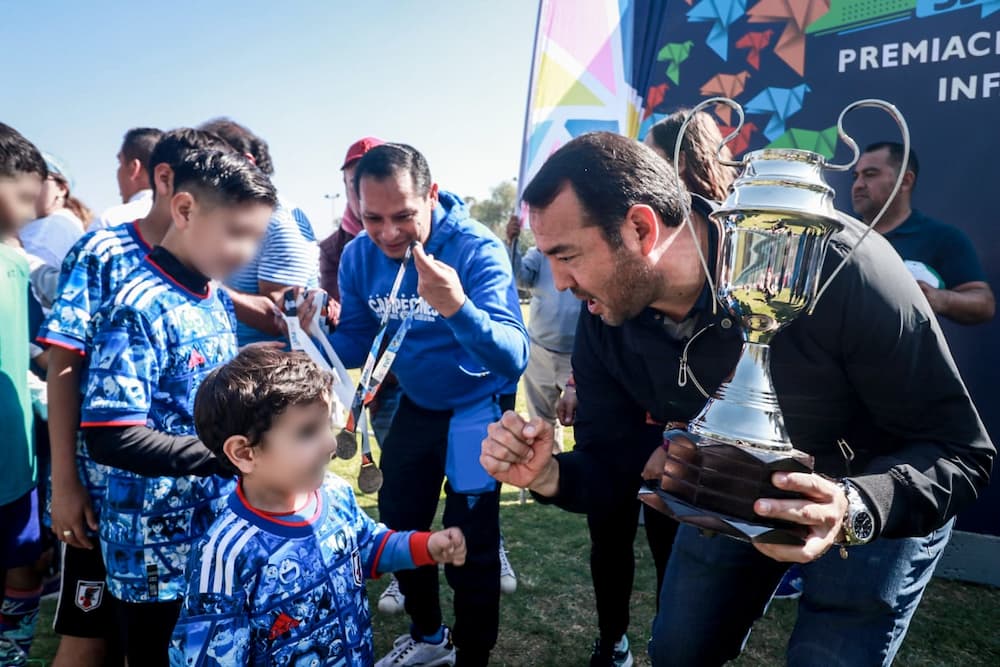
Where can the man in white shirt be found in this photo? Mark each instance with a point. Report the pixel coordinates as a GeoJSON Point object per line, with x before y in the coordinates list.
{"type": "Point", "coordinates": [133, 179]}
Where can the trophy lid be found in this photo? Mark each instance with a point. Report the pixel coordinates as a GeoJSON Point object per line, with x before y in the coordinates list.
{"type": "Point", "coordinates": [782, 180]}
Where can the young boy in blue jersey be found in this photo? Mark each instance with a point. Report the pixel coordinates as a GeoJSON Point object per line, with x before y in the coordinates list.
{"type": "Point", "coordinates": [94, 269]}
{"type": "Point", "coordinates": [279, 577]}
{"type": "Point", "coordinates": [22, 172]}
{"type": "Point", "coordinates": [458, 367]}
{"type": "Point", "coordinates": [164, 330]}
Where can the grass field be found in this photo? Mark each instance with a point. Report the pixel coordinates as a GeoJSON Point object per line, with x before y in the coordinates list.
{"type": "Point", "coordinates": [550, 620]}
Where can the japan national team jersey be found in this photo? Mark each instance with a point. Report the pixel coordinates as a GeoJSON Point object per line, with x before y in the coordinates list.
{"type": "Point", "coordinates": [93, 270]}
{"type": "Point", "coordinates": [153, 348]}
{"type": "Point", "coordinates": [286, 591]}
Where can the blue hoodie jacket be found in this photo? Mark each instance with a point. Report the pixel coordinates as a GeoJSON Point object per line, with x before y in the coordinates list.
{"type": "Point", "coordinates": [443, 363]}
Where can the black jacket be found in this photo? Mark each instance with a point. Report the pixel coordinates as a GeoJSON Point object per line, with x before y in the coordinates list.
{"type": "Point", "coordinates": [870, 366]}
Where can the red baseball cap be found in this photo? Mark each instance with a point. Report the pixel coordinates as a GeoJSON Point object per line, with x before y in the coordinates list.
{"type": "Point", "coordinates": [358, 150]}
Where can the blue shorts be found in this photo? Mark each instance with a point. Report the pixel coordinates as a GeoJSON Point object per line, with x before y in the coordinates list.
{"type": "Point", "coordinates": [20, 532]}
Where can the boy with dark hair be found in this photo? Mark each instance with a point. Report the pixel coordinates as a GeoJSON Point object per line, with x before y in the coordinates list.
{"type": "Point", "coordinates": [22, 171]}
{"type": "Point", "coordinates": [133, 179]}
{"type": "Point", "coordinates": [288, 255]}
{"type": "Point", "coordinates": [93, 271]}
{"type": "Point", "coordinates": [164, 330]}
{"type": "Point", "coordinates": [279, 577]}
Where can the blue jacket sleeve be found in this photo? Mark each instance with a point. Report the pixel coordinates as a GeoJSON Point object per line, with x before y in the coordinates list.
{"type": "Point", "coordinates": [489, 325]}
{"type": "Point", "coordinates": [526, 267]}
{"type": "Point", "coordinates": [357, 327]}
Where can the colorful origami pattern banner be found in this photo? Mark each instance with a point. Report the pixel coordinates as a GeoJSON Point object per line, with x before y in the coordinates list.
{"type": "Point", "coordinates": [621, 65]}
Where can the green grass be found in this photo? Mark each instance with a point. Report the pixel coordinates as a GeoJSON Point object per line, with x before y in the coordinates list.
{"type": "Point", "coordinates": [550, 620]}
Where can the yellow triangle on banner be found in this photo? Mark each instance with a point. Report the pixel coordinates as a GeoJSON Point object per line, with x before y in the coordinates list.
{"type": "Point", "coordinates": [632, 123]}
{"type": "Point", "coordinates": [557, 87]}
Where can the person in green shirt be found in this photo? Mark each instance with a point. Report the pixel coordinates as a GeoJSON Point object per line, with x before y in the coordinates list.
{"type": "Point", "coordinates": [22, 172]}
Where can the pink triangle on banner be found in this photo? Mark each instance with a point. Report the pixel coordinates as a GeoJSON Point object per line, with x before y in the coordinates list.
{"type": "Point", "coordinates": [602, 67]}
{"type": "Point", "coordinates": [580, 27]}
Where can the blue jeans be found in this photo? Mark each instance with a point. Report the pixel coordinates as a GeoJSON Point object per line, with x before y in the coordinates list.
{"type": "Point", "coordinates": [852, 612]}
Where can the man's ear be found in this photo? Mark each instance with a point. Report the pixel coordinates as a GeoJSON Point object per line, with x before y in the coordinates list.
{"type": "Point", "coordinates": [163, 180]}
{"type": "Point", "coordinates": [642, 223]}
{"type": "Point", "coordinates": [432, 194]}
{"type": "Point", "coordinates": [135, 169]}
{"type": "Point", "coordinates": [240, 453]}
{"type": "Point", "coordinates": [909, 180]}
{"type": "Point", "coordinates": [182, 205]}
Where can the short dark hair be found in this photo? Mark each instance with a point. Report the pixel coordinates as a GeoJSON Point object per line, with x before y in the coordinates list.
{"type": "Point", "coordinates": [246, 395]}
{"type": "Point", "coordinates": [174, 145]}
{"type": "Point", "coordinates": [387, 160]}
{"type": "Point", "coordinates": [226, 178]}
{"type": "Point", "coordinates": [896, 156]}
{"type": "Point", "coordinates": [243, 140]}
{"type": "Point", "coordinates": [139, 142]}
{"type": "Point", "coordinates": [610, 174]}
{"type": "Point", "coordinates": [18, 155]}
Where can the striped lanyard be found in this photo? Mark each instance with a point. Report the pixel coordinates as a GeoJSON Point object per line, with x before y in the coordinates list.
{"type": "Point", "coordinates": [377, 365]}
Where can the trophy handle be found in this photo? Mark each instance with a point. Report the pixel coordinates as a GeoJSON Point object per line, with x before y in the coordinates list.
{"type": "Point", "coordinates": [846, 138]}
{"type": "Point", "coordinates": [685, 204]}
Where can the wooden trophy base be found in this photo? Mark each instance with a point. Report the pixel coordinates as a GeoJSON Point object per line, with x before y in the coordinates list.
{"type": "Point", "coordinates": [713, 486]}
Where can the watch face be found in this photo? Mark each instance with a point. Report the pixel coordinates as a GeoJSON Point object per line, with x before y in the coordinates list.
{"type": "Point", "coordinates": [863, 526]}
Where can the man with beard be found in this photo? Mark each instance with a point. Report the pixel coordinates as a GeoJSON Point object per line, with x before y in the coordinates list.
{"type": "Point", "coordinates": [869, 368]}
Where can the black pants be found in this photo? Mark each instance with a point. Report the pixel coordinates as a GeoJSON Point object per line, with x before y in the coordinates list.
{"type": "Point", "coordinates": [413, 466]}
{"type": "Point", "coordinates": [146, 629]}
{"type": "Point", "coordinates": [612, 560]}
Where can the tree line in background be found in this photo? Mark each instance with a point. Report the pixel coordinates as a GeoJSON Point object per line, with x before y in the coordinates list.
{"type": "Point", "coordinates": [495, 212]}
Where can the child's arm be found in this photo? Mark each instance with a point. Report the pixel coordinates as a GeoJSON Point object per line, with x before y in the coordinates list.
{"type": "Point", "coordinates": [384, 550]}
{"type": "Point", "coordinates": [123, 374]}
{"type": "Point", "coordinates": [71, 509]}
{"type": "Point", "coordinates": [389, 550]}
{"type": "Point", "coordinates": [65, 332]}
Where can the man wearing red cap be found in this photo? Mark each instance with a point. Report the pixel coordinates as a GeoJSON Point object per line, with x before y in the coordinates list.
{"type": "Point", "coordinates": [332, 246]}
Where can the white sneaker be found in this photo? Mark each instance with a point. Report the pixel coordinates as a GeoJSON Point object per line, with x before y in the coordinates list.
{"type": "Point", "coordinates": [408, 652]}
{"type": "Point", "coordinates": [392, 600]}
{"type": "Point", "coordinates": [508, 579]}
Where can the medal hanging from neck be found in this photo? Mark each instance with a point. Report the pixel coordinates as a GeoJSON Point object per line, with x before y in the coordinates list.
{"type": "Point", "coordinates": [374, 372]}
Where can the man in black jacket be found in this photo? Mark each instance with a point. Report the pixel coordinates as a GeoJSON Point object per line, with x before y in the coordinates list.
{"type": "Point", "coordinates": [869, 369]}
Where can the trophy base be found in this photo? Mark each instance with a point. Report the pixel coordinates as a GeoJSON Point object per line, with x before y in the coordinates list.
{"type": "Point", "coordinates": [713, 486]}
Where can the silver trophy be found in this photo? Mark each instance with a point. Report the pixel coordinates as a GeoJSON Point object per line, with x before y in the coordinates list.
{"type": "Point", "coordinates": [775, 228]}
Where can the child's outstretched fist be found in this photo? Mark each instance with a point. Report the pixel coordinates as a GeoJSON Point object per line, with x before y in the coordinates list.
{"type": "Point", "coordinates": [447, 546]}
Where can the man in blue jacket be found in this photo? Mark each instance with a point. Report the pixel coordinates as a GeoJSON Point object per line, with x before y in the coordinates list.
{"type": "Point", "coordinates": [458, 367]}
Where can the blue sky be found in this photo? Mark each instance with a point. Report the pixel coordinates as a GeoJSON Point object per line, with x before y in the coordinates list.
{"type": "Point", "coordinates": [449, 77]}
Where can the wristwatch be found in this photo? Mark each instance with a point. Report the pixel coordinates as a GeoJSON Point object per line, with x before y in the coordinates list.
{"type": "Point", "coordinates": [859, 522]}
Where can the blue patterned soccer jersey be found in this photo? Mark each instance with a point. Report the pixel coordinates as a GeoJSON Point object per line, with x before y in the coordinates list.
{"type": "Point", "coordinates": [154, 346]}
{"type": "Point", "coordinates": [93, 270]}
{"type": "Point", "coordinates": [287, 590]}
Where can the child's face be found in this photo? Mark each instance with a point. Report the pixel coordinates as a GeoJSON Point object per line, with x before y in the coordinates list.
{"type": "Point", "coordinates": [219, 239]}
{"type": "Point", "coordinates": [296, 451]}
{"type": "Point", "coordinates": [17, 200]}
